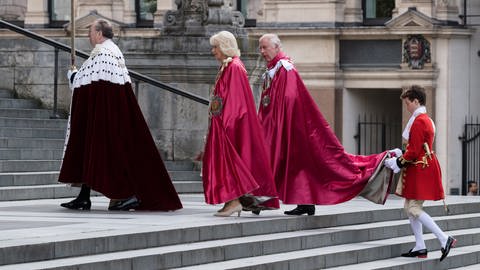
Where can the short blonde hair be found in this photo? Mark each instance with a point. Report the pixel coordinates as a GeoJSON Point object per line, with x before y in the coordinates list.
{"type": "Point", "coordinates": [226, 42]}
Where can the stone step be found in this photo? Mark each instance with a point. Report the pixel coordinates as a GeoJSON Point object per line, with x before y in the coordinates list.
{"type": "Point", "coordinates": [59, 190]}
{"type": "Point", "coordinates": [29, 165]}
{"type": "Point", "coordinates": [39, 143]}
{"type": "Point", "coordinates": [6, 93]}
{"type": "Point", "coordinates": [37, 133]}
{"type": "Point", "coordinates": [467, 257]}
{"type": "Point", "coordinates": [383, 254]}
{"type": "Point", "coordinates": [51, 177]}
{"type": "Point", "coordinates": [28, 178]}
{"type": "Point", "coordinates": [50, 191]}
{"type": "Point", "coordinates": [296, 250]}
{"type": "Point", "coordinates": [469, 267]}
{"type": "Point", "coordinates": [32, 123]}
{"type": "Point", "coordinates": [25, 113]}
{"type": "Point", "coordinates": [30, 154]}
{"type": "Point", "coordinates": [180, 165]}
{"type": "Point", "coordinates": [188, 186]}
{"type": "Point", "coordinates": [14, 103]}
{"type": "Point", "coordinates": [54, 165]}
{"type": "Point", "coordinates": [252, 237]}
{"type": "Point", "coordinates": [185, 175]}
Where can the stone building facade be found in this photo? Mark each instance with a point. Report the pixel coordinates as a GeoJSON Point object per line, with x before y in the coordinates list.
{"type": "Point", "coordinates": [355, 57]}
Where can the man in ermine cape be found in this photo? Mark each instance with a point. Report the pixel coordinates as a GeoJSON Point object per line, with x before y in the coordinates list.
{"type": "Point", "coordinates": [109, 147]}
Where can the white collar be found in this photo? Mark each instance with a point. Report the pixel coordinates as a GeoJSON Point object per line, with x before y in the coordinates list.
{"type": "Point", "coordinates": [417, 112]}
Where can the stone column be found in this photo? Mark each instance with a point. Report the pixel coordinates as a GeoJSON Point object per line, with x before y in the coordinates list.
{"type": "Point", "coordinates": [353, 12]}
{"type": "Point", "coordinates": [446, 10]}
{"type": "Point", "coordinates": [37, 13]}
{"type": "Point", "coordinates": [129, 13]}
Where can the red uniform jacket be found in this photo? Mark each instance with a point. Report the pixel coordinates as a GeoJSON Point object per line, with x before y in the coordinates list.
{"type": "Point", "coordinates": [421, 176]}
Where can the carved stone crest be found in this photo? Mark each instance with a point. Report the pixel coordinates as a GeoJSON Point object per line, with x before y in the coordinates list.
{"type": "Point", "coordinates": [416, 51]}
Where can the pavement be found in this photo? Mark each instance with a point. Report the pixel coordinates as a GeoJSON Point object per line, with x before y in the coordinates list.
{"type": "Point", "coordinates": [33, 221]}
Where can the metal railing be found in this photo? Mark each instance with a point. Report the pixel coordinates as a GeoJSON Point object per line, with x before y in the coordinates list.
{"type": "Point", "coordinates": [376, 134]}
{"type": "Point", "coordinates": [470, 153]}
{"type": "Point", "coordinates": [60, 46]}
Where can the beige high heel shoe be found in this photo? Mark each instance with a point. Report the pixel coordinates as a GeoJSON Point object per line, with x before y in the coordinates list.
{"type": "Point", "coordinates": [228, 212]}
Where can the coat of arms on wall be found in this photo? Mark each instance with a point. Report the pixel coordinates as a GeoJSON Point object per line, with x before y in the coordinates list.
{"type": "Point", "coordinates": [416, 51]}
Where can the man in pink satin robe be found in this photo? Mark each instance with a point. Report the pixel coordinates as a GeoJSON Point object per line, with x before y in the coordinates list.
{"type": "Point", "coordinates": [310, 165]}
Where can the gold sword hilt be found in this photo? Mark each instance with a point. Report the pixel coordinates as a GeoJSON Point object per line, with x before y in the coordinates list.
{"type": "Point", "coordinates": [428, 153]}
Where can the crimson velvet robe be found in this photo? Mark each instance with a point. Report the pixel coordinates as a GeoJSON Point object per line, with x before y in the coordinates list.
{"type": "Point", "coordinates": [109, 145]}
{"type": "Point", "coordinates": [310, 165]}
{"type": "Point", "coordinates": [235, 160]}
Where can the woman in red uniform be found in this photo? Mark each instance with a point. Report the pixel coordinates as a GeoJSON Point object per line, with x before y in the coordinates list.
{"type": "Point", "coordinates": [236, 165]}
{"type": "Point", "coordinates": [421, 178]}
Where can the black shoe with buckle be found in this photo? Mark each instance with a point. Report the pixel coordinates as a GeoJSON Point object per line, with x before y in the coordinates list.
{"type": "Point", "coordinates": [302, 209]}
{"type": "Point", "coordinates": [125, 205]}
{"type": "Point", "coordinates": [450, 244]}
{"type": "Point", "coordinates": [421, 253]}
{"type": "Point", "coordinates": [78, 204]}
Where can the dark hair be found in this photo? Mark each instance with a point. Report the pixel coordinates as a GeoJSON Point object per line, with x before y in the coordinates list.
{"type": "Point", "coordinates": [470, 183]}
{"type": "Point", "coordinates": [415, 92]}
{"type": "Point", "coordinates": [105, 27]}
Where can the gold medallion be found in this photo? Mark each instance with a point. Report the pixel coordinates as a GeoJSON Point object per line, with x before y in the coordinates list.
{"type": "Point", "coordinates": [216, 105]}
{"type": "Point", "coordinates": [266, 100]}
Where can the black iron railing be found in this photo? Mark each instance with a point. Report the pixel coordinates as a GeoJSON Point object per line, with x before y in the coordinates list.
{"type": "Point", "coordinates": [376, 134]}
{"type": "Point", "coordinates": [134, 75]}
{"type": "Point", "coordinates": [470, 153]}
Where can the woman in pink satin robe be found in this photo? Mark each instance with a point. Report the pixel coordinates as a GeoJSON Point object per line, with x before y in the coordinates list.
{"type": "Point", "coordinates": [236, 165]}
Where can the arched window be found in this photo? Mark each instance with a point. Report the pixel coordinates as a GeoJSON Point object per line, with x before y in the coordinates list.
{"type": "Point", "coordinates": [145, 10]}
{"type": "Point", "coordinates": [377, 12]}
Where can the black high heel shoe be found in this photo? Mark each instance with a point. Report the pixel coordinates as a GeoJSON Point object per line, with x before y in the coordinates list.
{"type": "Point", "coordinates": [422, 253]}
{"type": "Point", "coordinates": [78, 204]}
{"type": "Point", "coordinates": [302, 209]}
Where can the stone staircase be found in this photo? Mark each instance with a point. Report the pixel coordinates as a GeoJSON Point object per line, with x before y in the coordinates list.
{"type": "Point", "coordinates": [37, 234]}
{"type": "Point", "coordinates": [31, 147]}
{"type": "Point", "coordinates": [348, 239]}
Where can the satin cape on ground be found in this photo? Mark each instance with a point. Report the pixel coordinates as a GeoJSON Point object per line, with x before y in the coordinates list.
{"type": "Point", "coordinates": [310, 165]}
{"type": "Point", "coordinates": [110, 148]}
{"type": "Point", "coordinates": [235, 160]}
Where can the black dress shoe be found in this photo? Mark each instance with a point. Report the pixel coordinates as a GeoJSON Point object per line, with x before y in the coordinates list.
{"type": "Point", "coordinates": [450, 244]}
{"type": "Point", "coordinates": [125, 205]}
{"type": "Point", "coordinates": [421, 253]}
{"type": "Point", "coordinates": [78, 204]}
{"type": "Point", "coordinates": [302, 209]}
{"type": "Point", "coordinates": [256, 212]}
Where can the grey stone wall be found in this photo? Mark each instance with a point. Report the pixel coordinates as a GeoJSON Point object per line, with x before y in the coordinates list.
{"type": "Point", "coordinates": [178, 125]}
